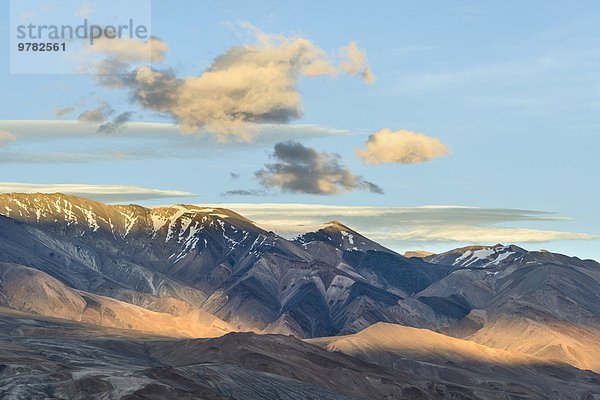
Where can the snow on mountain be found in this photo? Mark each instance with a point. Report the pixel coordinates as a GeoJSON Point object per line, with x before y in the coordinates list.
{"type": "Point", "coordinates": [329, 282]}
{"type": "Point", "coordinates": [477, 256]}
{"type": "Point", "coordinates": [325, 282]}
{"type": "Point", "coordinates": [341, 237]}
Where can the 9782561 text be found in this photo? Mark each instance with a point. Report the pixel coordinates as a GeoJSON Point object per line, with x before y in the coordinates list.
{"type": "Point", "coordinates": [43, 46]}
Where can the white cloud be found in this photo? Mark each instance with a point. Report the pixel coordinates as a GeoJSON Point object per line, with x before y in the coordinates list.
{"type": "Point", "coordinates": [398, 227]}
{"type": "Point", "coordinates": [111, 61]}
{"type": "Point", "coordinates": [109, 193]}
{"type": "Point", "coordinates": [79, 142]}
{"type": "Point", "coordinates": [479, 234]}
{"type": "Point", "coordinates": [402, 147]}
{"type": "Point", "coordinates": [249, 84]}
{"type": "Point", "coordinates": [254, 83]}
{"type": "Point", "coordinates": [355, 62]}
{"type": "Point", "coordinates": [130, 51]}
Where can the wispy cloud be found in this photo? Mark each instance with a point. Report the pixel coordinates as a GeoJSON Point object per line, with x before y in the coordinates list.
{"type": "Point", "coordinates": [545, 65]}
{"type": "Point", "coordinates": [480, 234]}
{"type": "Point", "coordinates": [116, 124]}
{"type": "Point", "coordinates": [60, 112]}
{"type": "Point", "coordinates": [398, 227]}
{"type": "Point", "coordinates": [244, 192]}
{"type": "Point", "coordinates": [69, 141]}
{"type": "Point", "coordinates": [96, 115]}
{"type": "Point", "coordinates": [106, 193]}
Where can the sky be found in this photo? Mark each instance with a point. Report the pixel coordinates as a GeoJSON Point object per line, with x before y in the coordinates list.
{"type": "Point", "coordinates": [427, 125]}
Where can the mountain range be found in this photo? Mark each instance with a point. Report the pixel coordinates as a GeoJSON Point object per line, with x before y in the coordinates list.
{"type": "Point", "coordinates": [330, 314]}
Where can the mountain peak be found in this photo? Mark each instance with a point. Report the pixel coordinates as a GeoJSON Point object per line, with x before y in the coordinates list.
{"type": "Point", "coordinates": [340, 236]}
{"type": "Point", "coordinates": [477, 256]}
{"type": "Point", "coordinates": [336, 225]}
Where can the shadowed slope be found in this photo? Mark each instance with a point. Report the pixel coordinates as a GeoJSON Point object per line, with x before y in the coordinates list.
{"type": "Point", "coordinates": [171, 259]}
{"type": "Point", "coordinates": [44, 358]}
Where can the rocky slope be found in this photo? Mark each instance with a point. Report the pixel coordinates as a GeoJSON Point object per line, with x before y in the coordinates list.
{"type": "Point", "coordinates": [44, 358]}
{"type": "Point", "coordinates": [487, 372]}
{"type": "Point", "coordinates": [32, 291]}
{"type": "Point", "coordinates": [540, 303]}
{"type": "Point", "coordinates": [38, 360]}
{"type": "Point", "coordinates": [190, 260]}
{"type": "Point", "coordinates": [328, 282]}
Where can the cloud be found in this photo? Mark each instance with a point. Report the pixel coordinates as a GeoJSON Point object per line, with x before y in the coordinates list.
{"type": "Point", "coordinates": [355, 62]}
{"type": "Point", "coordinates": [106, 193]}
{"type": "Point", "coordinates": [402, 227]}
{"type": "Point", "coordinates": [131, 51]}
{"type": "Point", "coordinates": [112, 60]}
{"type": "Point", "coordinates": [116, 124]}
{"type": "Point", "coordinates": [244, 192]}
{"type": "Point", "coordinates": [372, 187]}
{"type": "Point", "coordinates": [247, 85]}
{"type": "Point", "coordinates": [402, 147]}
{"type": "Point", "coordinates": [6, 137]}
{"type": "Point", "coordinates": [54, 141]}
{"type": "Point", "coordinates": [92, 116]}
{"type": "Point", "coordinates": [60, 112]}
{"type": "Point", "coordinates": [255, 83]}
{"type": "Point", "coordinates": [52, 157]}
{"type": "Point", "coordinates": [477, 234]}
{"type": "Point", "coordinates": [96, 115]}
{"type": "Point", "coordinates": [301, 169]}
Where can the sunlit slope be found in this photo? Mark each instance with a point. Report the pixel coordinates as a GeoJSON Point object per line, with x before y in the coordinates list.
{"type": "Point", "coordinates": [556, 342]}
{"type": "Point", "coordinates": [32, 291]}
{"type": "Point", "coordinates": [480, 371]}
{"type": "Point", "coordinates": [390, 340]}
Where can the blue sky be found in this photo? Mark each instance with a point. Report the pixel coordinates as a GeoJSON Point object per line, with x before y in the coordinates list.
{"type": "Point", "coordinates": [511, 88]}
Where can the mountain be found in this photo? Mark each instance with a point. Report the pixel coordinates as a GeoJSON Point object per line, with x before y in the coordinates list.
{"type": "Point", "coordinates": [32, 291]}
{"type": "Point", "coordinates": [324, 283]}
{"type": "Point", "coordinates": [487, 372]}
{"type": "Point", "coordinates": [205, 271]}
{"type": "Point", "coordinates": [363, 257]}
{"type": "Point", "coordinates": [536, 302]}
{"type": "Point", "coordinates": [476, 256]}
{"type": "Point", "coordinates": [378, 284]}
{"type": "Point", "coordinates": [43, 358]}
{"type": "Point", "coordinates": [382, 340]}
{"type": "Point", "coordinates": [339, 236]}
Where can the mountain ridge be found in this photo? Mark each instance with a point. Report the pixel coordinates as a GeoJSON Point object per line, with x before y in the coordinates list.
{"type": "Point", "coordinates": [209, 258]}
{"type": "Point", "coordinates": [334, 281]}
